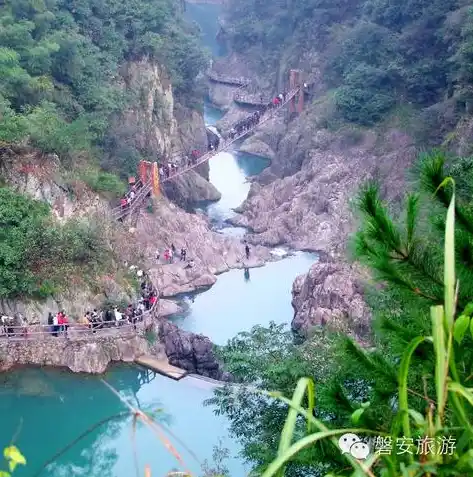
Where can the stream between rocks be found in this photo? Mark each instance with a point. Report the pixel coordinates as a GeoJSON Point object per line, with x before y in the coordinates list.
{"type": "Point", "coordinates": [51, 408]}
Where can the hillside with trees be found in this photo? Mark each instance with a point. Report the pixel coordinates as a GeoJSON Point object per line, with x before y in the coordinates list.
{"type": "Point", "coordinates": [373, 57]}
{"type": "Point", "coordinates": [59, 68]}
{"type": "Point", "coordinates": [61, 93]}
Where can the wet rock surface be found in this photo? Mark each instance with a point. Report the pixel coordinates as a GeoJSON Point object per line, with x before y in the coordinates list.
{"type": "Point", "coordinates": [191, 352]}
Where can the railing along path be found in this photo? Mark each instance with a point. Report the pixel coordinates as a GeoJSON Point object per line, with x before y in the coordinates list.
{"type": "Point", "coordinates": [239, 81]}
{"type": "Point", "coordinates": [80, 332]}
{"type": "Point", "coordinates": [270, 113]}
{"type": "Point", "coordinates": [120, 211]}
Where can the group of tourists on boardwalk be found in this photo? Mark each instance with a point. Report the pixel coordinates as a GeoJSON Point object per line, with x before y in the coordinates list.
{"type": "Point", "coordinates": [59, 324]}
{"type": "Point", "coordinates": [169, 170]}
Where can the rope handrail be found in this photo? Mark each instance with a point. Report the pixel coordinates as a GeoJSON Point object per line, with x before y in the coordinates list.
{"type": "Point", "coordinates": [119, 212]}
{"type": "Point", "coordinates": [265, 117]}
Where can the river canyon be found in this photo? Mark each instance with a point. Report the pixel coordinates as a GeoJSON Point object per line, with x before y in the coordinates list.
{"type": "Point", "coordinates": [58, 406]}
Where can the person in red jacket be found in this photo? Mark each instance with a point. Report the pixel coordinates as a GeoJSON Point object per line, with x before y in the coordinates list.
{"type": "Point", "coordinates": [63, 322]}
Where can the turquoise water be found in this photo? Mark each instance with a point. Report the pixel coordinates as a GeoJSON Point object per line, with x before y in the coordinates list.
{"type": "Point", "coordinates": [236, 303]}
{"type": "Point", "coordinates": [48, 409]}
{"type": "Point", "coordinates": [228, 173]}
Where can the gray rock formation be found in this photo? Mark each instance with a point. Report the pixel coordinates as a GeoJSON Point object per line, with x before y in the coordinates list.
{"type": "Point", "coordinates": [78, 356]}
{"type": "Point", "coordinates": [310, 209]}
{"type": "Point", "coordinates": [168, 307]}
{"type": "Point", "coordinates": [190, 188]}
{"type": "Point", "coordinates": [329, 295]}
{"type": "Point", "coordinates": [212, 253]}
{"type": "Point", "coordinates": [191, 352]}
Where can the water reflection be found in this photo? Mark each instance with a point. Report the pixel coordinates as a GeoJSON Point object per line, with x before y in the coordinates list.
{"type": "Point", "coordinates": [49, 410]}
{"type": "Point", "coordinates": [246, 274]}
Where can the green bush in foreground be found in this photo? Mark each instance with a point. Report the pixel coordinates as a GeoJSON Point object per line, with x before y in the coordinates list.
{"type": "Point", "coordinates": [447, 414]}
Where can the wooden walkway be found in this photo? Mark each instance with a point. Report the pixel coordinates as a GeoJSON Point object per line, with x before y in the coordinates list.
{"type": "Point", "coordinates": [119, 212]}
{"type": "Point", "coordinates": [238, 81]}
{"type": "Point", "coordinates": [161, 366]}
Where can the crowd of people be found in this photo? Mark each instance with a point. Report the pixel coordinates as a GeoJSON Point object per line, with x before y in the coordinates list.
{"type": "Point", "coordinates": [58, 324]}
{"type": "Point", "coordinates": [130, 195]}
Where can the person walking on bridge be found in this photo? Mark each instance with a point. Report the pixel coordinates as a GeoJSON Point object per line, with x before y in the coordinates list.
{"type": "Point", "coordinates": [183, 254]}
{"type": "Point", "coordinates": [247, 251]}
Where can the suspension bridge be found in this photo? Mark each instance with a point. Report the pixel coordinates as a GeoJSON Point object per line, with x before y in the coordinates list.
{"type": "Point", "coordinates": [150, 179]}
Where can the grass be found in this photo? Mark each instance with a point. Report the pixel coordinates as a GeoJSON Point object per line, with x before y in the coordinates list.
{"type": "Point", "coordinates": [452, 398]}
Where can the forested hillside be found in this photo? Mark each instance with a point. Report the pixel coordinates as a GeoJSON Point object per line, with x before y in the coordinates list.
{"type": "Point", "coordinates": [373, 55]}
{"type": "Point", "coordinates": [59, 61]}
{"type": "Point", "coordinates": [61, 92]}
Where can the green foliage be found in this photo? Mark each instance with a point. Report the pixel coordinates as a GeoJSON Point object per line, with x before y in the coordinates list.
{"type": "Point", "coordinates": [36, 254]}
{"type": "Point", "coordinates": [378, 53]}
{"type": "Point", "coordinates": [104, 182]}
{"type": "Point", "coordinates": [402, 374]}
{"type": "Point", "coordinates": [14, 458]}
{"type": "Point", "coordinates": [59, 63]}
{"type": "Point", "coordinates": [448, 416]}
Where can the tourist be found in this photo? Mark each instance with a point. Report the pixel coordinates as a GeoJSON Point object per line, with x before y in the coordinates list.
{"type": "Point", "coordinates": [63, 322]}
{"type": "Point", "coordinates": [284, 95]}
{"type": "Point", "coordinates": [152, 300]}
{"type": "Point", "coordinates": [183, 254]}
{"type": "Point", "coordinates": [84, 320]}
{"type": "Point", "coordinates": [123, 203]}
{"type": "Point", "coordinates": [280, 97]}
{"type": "Point", "coordinates": [51, 323]}
{"type": "Point", "coordinates": [132, 195]}
{"type": "Point", "coordinates": [118, 316]}
{"type": "Point", "coordinates": [139, 273]}
{"type": "Point", "coordinates": [157, 255]}
{"type": "Point", "coordinates": [247, 251]}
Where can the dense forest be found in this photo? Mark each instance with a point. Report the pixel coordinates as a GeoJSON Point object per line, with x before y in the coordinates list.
{"type": "Point", "coordinates": [59, 68]}
{"type": "Point", "coordinates": [61, 92]}
{"type": "Point", "coordinates": [374, 55]}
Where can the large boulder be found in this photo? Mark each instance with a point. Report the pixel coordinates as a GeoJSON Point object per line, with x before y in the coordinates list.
{"type": "Point", "coordinates": [330, 294]}
{"type": "Point", "coordinates": [192, 352]}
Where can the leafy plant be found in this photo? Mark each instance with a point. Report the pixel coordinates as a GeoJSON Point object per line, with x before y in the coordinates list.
{"type": "Point", "coordinates": [448, 415]}
{"type": "Point", "coordinates": [13, 458]}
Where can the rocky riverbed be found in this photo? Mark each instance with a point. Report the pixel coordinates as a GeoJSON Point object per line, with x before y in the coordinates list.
{"type": "Point", "coordinates": [211, 253]}
{"type": "Point", "coordinates": [305, 200]}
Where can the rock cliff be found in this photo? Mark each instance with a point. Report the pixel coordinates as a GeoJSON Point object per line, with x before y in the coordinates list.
{"type": "Point", "coordinates": [191, 352]}
{"type": "Point", "coordinates": [304, 200]}
{"type": "Point", "coordinates": [159, 127]}
{"type": "Point", "coordinates": [78, 356]}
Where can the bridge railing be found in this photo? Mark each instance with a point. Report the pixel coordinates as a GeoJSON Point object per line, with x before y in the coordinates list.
{"type": "Point", "coordinates": [224, 144]}
{"type": "Point", "coordinates": [76, 331]}
{"type": "Point", "coordinates": [121, 211]}
{"type": "Point", "coordinates": [239, 81]}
